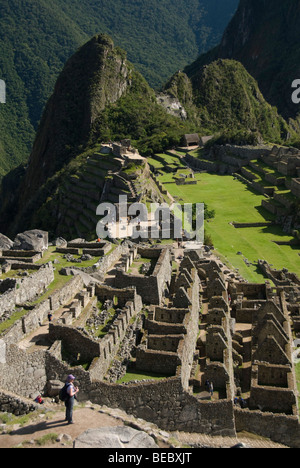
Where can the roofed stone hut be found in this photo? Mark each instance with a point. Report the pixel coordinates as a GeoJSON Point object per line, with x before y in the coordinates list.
{"type": "Point", "coordinates": [191, 139]}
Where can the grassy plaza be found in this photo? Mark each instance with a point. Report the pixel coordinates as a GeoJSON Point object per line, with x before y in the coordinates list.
{"type": "Point", "coordinates": [233, 202]}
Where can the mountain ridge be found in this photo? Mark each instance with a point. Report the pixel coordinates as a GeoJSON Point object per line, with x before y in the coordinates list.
{"type": "Point", "coordinates": [38, 37]}
{"type": "Point", "coordinates": [99, 96]}
{"type": "Point", "coordinates": [263, 36]}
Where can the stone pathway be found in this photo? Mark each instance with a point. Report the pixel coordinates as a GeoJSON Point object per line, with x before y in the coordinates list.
{"type": "Point", "coordinates": [95, 416]}
{"type": "Point", "coordinates": [202, 440]}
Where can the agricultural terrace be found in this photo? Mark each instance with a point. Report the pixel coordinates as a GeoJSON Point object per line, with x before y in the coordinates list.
{"type": "Point", "coordinates": [233, 202]}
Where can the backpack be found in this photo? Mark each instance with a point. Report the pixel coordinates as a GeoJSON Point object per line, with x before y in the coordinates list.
{"type": "Point", "coordinates": [63, 394]}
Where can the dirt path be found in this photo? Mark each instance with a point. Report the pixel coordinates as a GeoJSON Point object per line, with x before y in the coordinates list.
{"type": "Point", "coordinates": [92, 417]}
{"type": "Point", "coordinates": [50, 423]}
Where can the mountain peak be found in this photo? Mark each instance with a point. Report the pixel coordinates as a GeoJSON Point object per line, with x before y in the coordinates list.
{"type": "Point", "coordinates": [95, 76]}
{"type": "Point", "coordinates": [264, 36]}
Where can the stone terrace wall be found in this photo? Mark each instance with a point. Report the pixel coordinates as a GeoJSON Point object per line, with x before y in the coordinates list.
{"type": "Point", "coordinates": [35, 317]}
{"type": "Point", "coordinates": [165, 403]}
{"type": "Point", "coordinates": [99, 352]}
{"type": "Point", "coordinates": [124, 295]}
{"type": "Point", "coordinates": [150, 288]}
{"type": "Point", "coordinates": [75, 341]}
{"type": "Point", "coordinates": [23, 373]}
{"type": "Point", "coordinates": [16, 405]}
{"type": "Point", "coordinates": [107, 262]}
{"type": "Point", "coordinates": [278, 427]}
{"type": "Point", "coordinates": [168, 405]}
{"type": "Point", "coordinates": [26, 289]}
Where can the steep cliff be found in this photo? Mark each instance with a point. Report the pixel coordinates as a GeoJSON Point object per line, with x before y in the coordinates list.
{"type": "Point", "coordinates": [223, 96]}
{"type": "Point", "coordinates": [97, 75]}
{"type": "Point", "coordinates": [99, 96]}
{"type": "Point", "coordinates": [37, 37]}
{"type": "Point", "coordinates": [264, 36]}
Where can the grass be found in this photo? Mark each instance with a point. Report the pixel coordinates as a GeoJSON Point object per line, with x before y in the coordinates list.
{"type": "Point", "coordinates": [47, 439]}
{"type": "Point", "coordinates": [52, 255]}
{"type": "Point", "coordinates": [59, 282]}
{"type": "Point", "coordinates": [12, 319]}
{"type": "Point", "coordinates": [131, 376]}
{"type": "Point", "coordinates": [10, 419]}
{"type": "Point", "coordinates": [297, 372]}
{"type": "Point", "coordinates": [234, 202]}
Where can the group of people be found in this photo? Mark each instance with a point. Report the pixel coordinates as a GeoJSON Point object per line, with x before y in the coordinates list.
{"type": "Point", "coordinates": [240, 401]}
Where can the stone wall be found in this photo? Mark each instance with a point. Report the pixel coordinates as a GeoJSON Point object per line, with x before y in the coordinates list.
{"type": "Point", "coordinates": [165, 403]}
{"type": "Point", "coordinates": [123, 295]}
{"type": "Point", "coordinates": [100, 353]}
{"type": "Point", "coordinates": [170, 342]}
{"type": "Point", "coordinates": [63, 295]}
{"type": "Point", "coordinates": [150, 288]}
{"type": "Point", "coordinates": [13, 404]}
{"type": "Point", "coordinates": [280, 428]}
{"type": "Point", "coordinates": [74, 341]}
{"type": "Point", "coordinates": [27, 289]}
{"type": "Point", "coordinates": [35, 317]}
{"type": "Point", "coordinates": [107, 262]}
{"type": "Point", "coordinates": [295, 187]}
{"type": "Point", "coordinates": [227, 158]}
{"type": "Point", "coordinates": [273, 393]}
{"type": "Point", "coordinates": [23, 373]}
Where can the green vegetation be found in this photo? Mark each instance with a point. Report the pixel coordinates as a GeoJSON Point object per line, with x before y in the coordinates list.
{"type": "Point", "coordinates": [297, 372]}
{"type": "Point", "coordinates": [269, 50]}
{"type": "Point", "coordinates": [223, 98]}
{"type": "Point", "coordinates": [37, 37]}
{"type": "Point", "coordinates": [139, 375]}
{"type": "Point", "coordinates": [10, 419]}
{"type": "Point", "coordinates": [59, 282]}
{"type": "Point", "coordinates": [221, 194]}
{"type": "Point", "coordinates": [12, 319]}
{"type": "Point", "coordinates": [47, 439]}
{"type": "Point", "coordinates": [137, 116]}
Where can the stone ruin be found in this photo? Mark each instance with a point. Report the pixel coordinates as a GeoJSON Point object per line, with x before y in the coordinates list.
{"type": "Point", "coordinates": [189, 324]}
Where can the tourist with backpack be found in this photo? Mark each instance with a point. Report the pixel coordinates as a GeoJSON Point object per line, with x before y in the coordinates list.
{"type": "Point", "coordinates": [68, 394]}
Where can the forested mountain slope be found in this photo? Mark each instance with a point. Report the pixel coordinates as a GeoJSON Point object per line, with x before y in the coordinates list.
{"type": "Point", "coordinates": [38, 36]}
{"type": "Point", "coordinates": [264, 35]}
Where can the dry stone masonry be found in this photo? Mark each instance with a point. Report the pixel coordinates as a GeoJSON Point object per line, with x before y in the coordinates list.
{"type": "Point", "coordinates": [220, 349]}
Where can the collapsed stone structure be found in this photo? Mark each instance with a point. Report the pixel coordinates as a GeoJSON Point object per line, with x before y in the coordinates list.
{"type": "Point", "coordinates": [189, 322]}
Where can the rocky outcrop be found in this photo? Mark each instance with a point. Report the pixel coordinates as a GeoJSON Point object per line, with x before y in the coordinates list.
{"type": "Point", "coordinates": [115, 437]}
{"type": "Point", "coordinates": [5, 242]}
{"type": "Point", "coordinates": [34, 240]}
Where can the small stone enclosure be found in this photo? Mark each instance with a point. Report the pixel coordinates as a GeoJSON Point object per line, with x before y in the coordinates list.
{"type": "Point", "coordinates": [188, 324]}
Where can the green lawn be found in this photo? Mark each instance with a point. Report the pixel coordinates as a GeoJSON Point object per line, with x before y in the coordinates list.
{"type": "Point", "coordinates": [234, 202]}
{"type": "Point", "coordinates": [140, 375]}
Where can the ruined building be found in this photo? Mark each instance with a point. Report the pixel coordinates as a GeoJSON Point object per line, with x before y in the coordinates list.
{"type": "Point", "coordinates": [221, 349]}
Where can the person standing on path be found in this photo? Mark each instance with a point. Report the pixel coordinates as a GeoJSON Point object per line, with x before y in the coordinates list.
{"type": "Point", "coordinates": [211, 389]}
{"type": "Point", "coordinates": [69, 403]}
